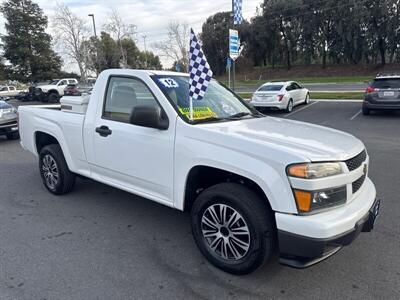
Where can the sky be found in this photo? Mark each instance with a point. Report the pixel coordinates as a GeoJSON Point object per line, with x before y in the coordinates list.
{"type": "Point", "coordinates": [150, 16]}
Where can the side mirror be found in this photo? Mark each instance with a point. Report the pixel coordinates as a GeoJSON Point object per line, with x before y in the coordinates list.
{"type": "Point", "coordinates": [149, 116]}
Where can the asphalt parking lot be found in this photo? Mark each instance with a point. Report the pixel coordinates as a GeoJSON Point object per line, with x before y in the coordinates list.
{"type": "Point", "coordinates": [102, 243]}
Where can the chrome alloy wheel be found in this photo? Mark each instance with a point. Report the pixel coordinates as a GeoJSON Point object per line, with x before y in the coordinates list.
{"type": "Point", "coordinates": [290, 106]}
{"type": "Point", "coordinates": [50, 171]}
{"type": "Point", "coordinates": [225, 231]}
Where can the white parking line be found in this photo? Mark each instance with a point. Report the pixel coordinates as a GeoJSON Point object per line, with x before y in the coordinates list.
{"type": "Point", "coordinates": [303, 108]}
{"type": "Point", "coordinates": [355, 116]}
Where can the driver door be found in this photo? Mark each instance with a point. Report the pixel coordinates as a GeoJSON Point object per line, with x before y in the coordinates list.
{"type": "Point", "coordinates": [133, 157]}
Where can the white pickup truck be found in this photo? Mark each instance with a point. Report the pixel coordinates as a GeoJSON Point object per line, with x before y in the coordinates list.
{"type": "Point", "coordinates": [52, 91]}
{"type": "Point", "coordinates": [9, 91]}
{"type": "Point", "coordinates": [253, 184]}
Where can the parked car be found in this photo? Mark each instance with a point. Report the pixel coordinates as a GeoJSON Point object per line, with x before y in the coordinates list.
{"type": "Point", "coordinates": [8, 121]}
{"type": "Point", "coordinates": [52, 91]}
{"type": "Point", "coordinates": [8, 91]}
{"type": "Point", "coordinates": [78, 89]}
{"type": "Point", "coordinates": [383, 93]}
{"type": "Point", "coordinates": [280, 95]}
{"type": "Point", "coordinates": [251, 183]}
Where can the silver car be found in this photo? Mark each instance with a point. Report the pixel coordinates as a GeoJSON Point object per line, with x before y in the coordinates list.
{"type": "Point", "coordinates": [8, 121]}
{"type": "Point", "coordinates": [280, 95]}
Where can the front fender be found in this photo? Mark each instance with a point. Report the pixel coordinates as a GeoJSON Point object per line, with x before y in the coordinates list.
{"type": "Point", "coordinates": [273, 182]}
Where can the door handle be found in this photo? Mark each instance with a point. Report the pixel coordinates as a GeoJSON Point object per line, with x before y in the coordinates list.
{"type": "Point", "coordinates": [104, 131]}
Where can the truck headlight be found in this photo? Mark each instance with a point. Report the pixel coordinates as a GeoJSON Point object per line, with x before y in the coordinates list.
{"type": "Point", "coordinates": [314, 170]}
{"type": "Point", "coordinates": [308, 201]}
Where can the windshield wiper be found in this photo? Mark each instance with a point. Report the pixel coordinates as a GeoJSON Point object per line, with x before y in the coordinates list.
{"type": "Point", "coordinates": [238, 115]}
{"type": "Point", "coordinates": [210, 119]}
{"type": "Point", "coordinates": [243, 114]}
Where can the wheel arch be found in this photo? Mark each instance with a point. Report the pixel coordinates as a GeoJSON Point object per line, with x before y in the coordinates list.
{"type": "Point", "coordinates": [43, 139]}
{"type": "Point", "coordinates": [53, 91]}
{"type": "Point", "coordinates": [201, 177]}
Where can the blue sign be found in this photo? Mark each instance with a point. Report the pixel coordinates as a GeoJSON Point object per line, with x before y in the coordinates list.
{"type": "Point", "coordinates": [234, 44]}
{"type": "Point", "coordinates": [228, 62]}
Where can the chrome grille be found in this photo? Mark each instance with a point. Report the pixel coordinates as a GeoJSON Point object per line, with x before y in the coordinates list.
{"type": "Point", "coordinates": [356, 162]}
{"type": "Point", "coordinates": [358, 183]}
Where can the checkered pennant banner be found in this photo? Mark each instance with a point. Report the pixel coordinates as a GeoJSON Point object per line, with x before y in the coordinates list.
{"type": "Point", "coordinates": [200, 73]}
{"type": "Point", "coordinates": [237, 12]}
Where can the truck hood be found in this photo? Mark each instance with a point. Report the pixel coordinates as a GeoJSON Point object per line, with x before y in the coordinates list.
{"type": "Point", "coordinates": [46, 87]}
{"type": "Point", "coordinates": [314, 142]}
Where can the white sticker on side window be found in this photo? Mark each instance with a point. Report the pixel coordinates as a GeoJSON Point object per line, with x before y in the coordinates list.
{"type": "Point", "coordinates": [168, 83]}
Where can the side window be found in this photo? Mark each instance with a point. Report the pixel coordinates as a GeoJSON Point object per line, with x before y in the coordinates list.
{"type": "Point", "coordinates": [290, 87]}
{"type": "Point", "coordinates": [71, 81]}
{"type": "Point", "coordinates": [296, 86]}
{"type": "Point", "coordinates": [123, 95]}
{"type": "Point", "coordinates": [12, 88]}
{"type": "Point", "coordinates": [63, 82]}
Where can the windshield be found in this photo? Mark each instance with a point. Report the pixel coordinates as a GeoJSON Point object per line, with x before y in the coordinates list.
{"type": "Point", "coordinates": [219, 103]}
{"type": "Point", "coordinates": [269, 88]}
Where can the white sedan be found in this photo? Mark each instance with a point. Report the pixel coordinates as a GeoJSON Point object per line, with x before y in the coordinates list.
{"type": "Point", "coordinates": [280, 95]}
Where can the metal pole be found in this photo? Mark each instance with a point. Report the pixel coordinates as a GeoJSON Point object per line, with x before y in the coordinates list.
{"type": "Point", "coordinates": [233, 75]}
{"type": "Point", "coordinates": [229, 76]}
{"type": "Point", "coordinates": [97, 50]}
{"type": "Point", "coordinates": [145, 49]}
{"type": "Point", "coordinates": [94, 25]}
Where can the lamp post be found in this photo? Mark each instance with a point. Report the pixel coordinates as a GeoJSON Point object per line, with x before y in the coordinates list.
{"type": "Point", "coordinates": [145, 49]}
{"type": "Point", "coordinates": [95, 37]}
{"type": "Point", "coordinates": [94, 25]}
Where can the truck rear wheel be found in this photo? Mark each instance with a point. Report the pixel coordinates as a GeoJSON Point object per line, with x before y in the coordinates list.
{"type": "Point", "coordinates": [233, 228]}
{"type": "Point", "coordinates": [56, 176]}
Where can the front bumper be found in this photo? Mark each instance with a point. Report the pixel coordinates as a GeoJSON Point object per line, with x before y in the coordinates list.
{"type": "Point", "coordinates": [306, 240]}
{"type": "Point", "coordinates": [301, 252]}
{"type": "Point", "coordinates": [8, 127]}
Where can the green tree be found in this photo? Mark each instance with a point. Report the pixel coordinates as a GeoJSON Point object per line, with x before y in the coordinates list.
{"type": "Point", "coordinates": [215, 39]}
{"type": "Point", "coordinates": [26, 45]}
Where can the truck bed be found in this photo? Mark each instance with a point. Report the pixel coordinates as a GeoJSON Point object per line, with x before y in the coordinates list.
{"type": "Point", "coordinates": [66, 127]}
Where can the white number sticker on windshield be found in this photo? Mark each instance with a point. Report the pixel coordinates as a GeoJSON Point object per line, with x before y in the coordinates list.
{"type": "Point", "coordinates": [169, 83]}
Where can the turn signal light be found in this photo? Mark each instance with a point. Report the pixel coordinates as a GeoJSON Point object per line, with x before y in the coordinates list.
{"type": "Point", "coordinates": [303, 200]}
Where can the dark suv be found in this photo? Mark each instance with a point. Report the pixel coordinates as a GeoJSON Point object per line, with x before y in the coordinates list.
{"type": "Point", "coordinates": [382, 93]}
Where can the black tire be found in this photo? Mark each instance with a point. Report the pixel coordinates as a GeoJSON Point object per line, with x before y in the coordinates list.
{"type": "Point", "coordinates": [13, 136]}
{"type": "Point", "coordinates": [289, 107]}
{"type": "Point", "coordinates": [256, 216]}
{"type": "Point", "coordinates": [64, 183]}
{"type": "Point", "coordinates": [53, 98]}
{"type": "Point", "coordinates": [365, 111]}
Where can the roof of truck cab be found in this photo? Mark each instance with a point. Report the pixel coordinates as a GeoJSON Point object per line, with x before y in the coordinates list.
{"type": "Point", "coordinates": [147, 72]}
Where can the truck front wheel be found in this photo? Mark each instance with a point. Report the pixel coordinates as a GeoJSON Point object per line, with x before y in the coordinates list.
{"type": "Point", "coordinates": [56, 176]}
{"type": "Point", "coordinates": [53, 97]}
{"type": "Point", "coordinates": [233, 228]}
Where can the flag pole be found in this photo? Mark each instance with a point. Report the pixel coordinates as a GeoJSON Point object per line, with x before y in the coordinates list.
{"type": "Point", "coordinates": [191, 108]}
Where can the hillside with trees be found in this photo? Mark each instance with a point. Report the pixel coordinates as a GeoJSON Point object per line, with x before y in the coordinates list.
{"type": "Point", "coordinates": [310, 32]}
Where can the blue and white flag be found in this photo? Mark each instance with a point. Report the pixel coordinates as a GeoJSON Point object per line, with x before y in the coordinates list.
{"type": "Point", "coordinates": [237, 12]}
{"type": "Point", "coordinates": [200, 72]}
